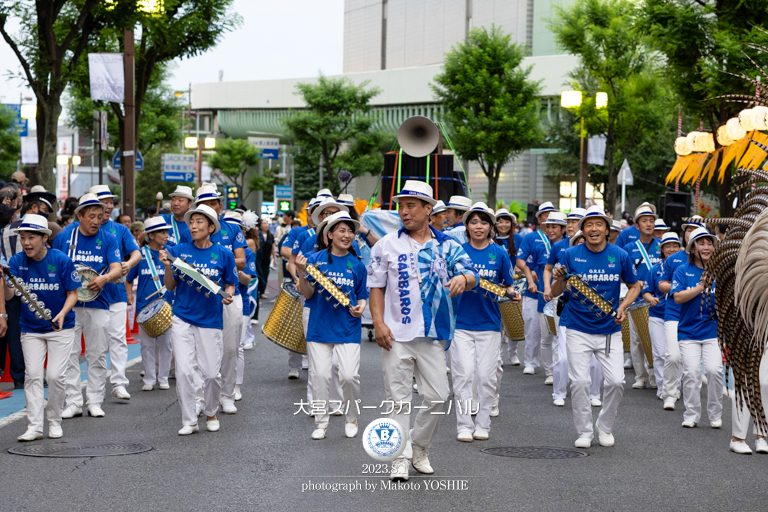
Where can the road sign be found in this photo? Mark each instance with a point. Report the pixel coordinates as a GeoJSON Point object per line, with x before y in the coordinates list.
{"type": "Point", "coordinates": [178, 167]}
{"type": "Point", "coordinates": [283, 192]}
{"type": "Point", "coordinates": [625, 175]}
{"type": "Point", "coordinates": [139, 161]}
{"type": "Point", "coordinates": [269, 153]}
{"type": "Point", "coordinates": [264, 142]}
{"type": "Point", "coordinates": [19, 124]}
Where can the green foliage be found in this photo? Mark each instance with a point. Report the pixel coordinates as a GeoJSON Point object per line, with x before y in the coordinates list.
{"type": "Point", "coordinates": [10, 145]}
{"type": "Point", "coordinates": [491, 106]}
{"type": "Point", "coordinates": [234, 158]}
{"type": "Point", "coordinates": [614, 58]}
{"type": "Point", "coordinates": [338, 127]}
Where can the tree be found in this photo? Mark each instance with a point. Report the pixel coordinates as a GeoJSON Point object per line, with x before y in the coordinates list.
{"type": "Point", "coordinates": [615, 59]}
{"type": "Point", "coordinates": [54, 35]}
{"type": "Point", "coordinates": [491, 106]}
{"type": "Point", "coordinates": [10, 145]}
{"type": "Point", "coordinates": [704, 44]}
{"type": "Point", "coordinates": [234, 158]}
{"type": "Point", "coordinates": [337, 127]}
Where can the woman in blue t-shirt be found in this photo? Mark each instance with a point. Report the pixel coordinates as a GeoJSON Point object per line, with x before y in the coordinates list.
{"type": "Point", "coordinates": [476, 345]}
{"type": "Point", "coordinates": [198, 317]}
{"type": "Point", "coordinates": [333, 330]}
{"type": "Point", "coordinates": [697, 333]}
{"type": "Point", "coordinates": [51, 275]}
{"type": "Point", "coordinates": [507, 238]}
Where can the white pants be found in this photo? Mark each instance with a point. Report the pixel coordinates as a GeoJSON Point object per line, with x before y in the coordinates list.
{"type": "Point", "coordinates": [474, 358]}
{"type": "Point", "coordinates": [693, 353]}
{"type": "Point", "coordinates": [659, 346]}
{"type": "Point", "coordinates": [499, 368]}
{"type": "Point", "coordinates": [581, 347]}
{"type": "Point", "coordinates": [636, 351]}
{"type": "Point", "coordinates": [156, 369]}
{"type": "Point", "coordinates": [92, 324]}
{"type": "Point", "coordinates": [58, 346]}
{"type": "Point", "coordinates": [423, 358]}
{"type": "Point", "coordinates": [672, 375]}
{"type": "Point", "coordinates": [548, 355]}
{"type": "Point", "coordinates": [322, 356]}
{"type": "Point", "coordinates": [740, 417]}
{"type": "Point", "coordinates": [336, 393]}
{"type": "Point", "coordinates": [232, 335]}
{"type": "Point", "coordinates": [246, 338]}
{"type": "Point", "coordinates": [205, 346]}
{"type": "Point", "coordinates": [560, 373]}
{"type": "Point", "coordinates": [532, 332]}
{"type": "Point", "coordinates": [118, 345]}
{"type": "Point", "coordinates": [294, 361]}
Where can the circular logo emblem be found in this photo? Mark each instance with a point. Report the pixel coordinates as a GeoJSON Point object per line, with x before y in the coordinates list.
{"type": "Point", "coordinates": [383, 439]}
{"type": "Point", "coordinates": [75, 276]}
{"type": "Point", "coordinates": [439, 267]}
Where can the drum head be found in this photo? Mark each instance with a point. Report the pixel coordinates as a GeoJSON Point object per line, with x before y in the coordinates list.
{"type": "Point", "coordinates": [87, 274]}
{"type": "Point", "coordinates": [150, 310]}
{"type": "Point", "coordinates": [549, 309]}
{"type": "Point", "coordinates": [520, 285]}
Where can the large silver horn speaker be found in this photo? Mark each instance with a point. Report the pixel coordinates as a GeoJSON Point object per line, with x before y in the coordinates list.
{"type": "Point", "coordinates": [418, 136]}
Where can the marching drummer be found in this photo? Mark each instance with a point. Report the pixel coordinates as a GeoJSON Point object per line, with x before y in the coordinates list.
{"type": "Point", "coordinates": [603, 267]}
{"type": "Point", "coordinates": [506, 237]}
{"type": "Point", "coordinates": [50, 275]}
{"type": "Point", "coordinates": [554, 229]}
{"type": "Point", "coordinates": [333, 331]}
{"type": "Point", "coordinates": [697, 333]}
{"type": "Point", "coordinates": [644, 253]}
{"type": "Point", "coordinates": [150, 273]}
{"type": "Point", "coordinates": [197, 318]}
{"type": "Point", "coordinates": [670, 244]}
{"type": "Point", "coordinates": [477, 339]}
{"type": "Point", "coordinates": [88, 245]}
{"type": "Point", "coordinates": [181, 201]}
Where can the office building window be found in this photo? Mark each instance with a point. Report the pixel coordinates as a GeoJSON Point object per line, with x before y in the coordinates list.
{"type": "Point", "coordinates": [569, 192]}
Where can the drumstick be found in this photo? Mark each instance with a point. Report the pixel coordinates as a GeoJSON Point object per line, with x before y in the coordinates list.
{"type": "Point", "coordinates": [159, 198]}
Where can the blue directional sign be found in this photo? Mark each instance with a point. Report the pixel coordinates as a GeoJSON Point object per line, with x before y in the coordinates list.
{"type": "Point", "coordinates": [178, 167]}
{"type": "Point", "coordinates": [19, 124]}
{"type": "Point", "coordinates": [270, 153]}
{"type": "Point", "coordinates": [139, 166]}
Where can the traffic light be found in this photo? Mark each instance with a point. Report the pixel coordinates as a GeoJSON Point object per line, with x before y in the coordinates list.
{"type": "Point", "coordinates": [232, 195]}
{"type": "Point", "coordinates": [283, 206]}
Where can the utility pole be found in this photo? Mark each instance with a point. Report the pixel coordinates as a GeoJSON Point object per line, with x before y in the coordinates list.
{"type": "Point", "coordinates": [321, 171]}
{"type": "Point", "coordinates": [128, 158]}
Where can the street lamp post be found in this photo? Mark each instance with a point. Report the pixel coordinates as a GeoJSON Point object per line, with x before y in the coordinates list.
{"type": "Point", "coordinates": [69, 161]}
{"type": "Point", "coordinates": [572, 99]}
{"type": "Point", "coordinates": [199, 144]}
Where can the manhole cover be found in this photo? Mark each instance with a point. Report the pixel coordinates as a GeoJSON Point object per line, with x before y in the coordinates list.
{"type": "Point", "coordinates": [535, 452]}
{"type": "Point", "coordinates": [75, 450]}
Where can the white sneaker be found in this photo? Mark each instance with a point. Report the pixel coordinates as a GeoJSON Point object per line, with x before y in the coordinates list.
{"type": "Point", "coordinates": [254, 322]}
{"type": "Point", "coordinates": [549, 380]}
{"type": "Point", "coordinates": [30, 435]}
{"type": "Point", "coordinates": [716, 423]}
{"type": "Point", "coordinates": [238, 396]}
{"type": "Point", "coordinates": [595, 402]}
{"type": "Point", "coordinates": [627, 363]}
{"type": "Point", "coordinates": [481, 434]}
{"type": "Point", "coordinates": [639, 384]}
{"type": "Point", "coordinates": [741, 447]}
{"type": "Point", "coordinates": [147, 387]}
{"type": "Point", "coordinates": [164, 386]}
{"type": "Point", "coordinates": [669, 403]}
{"type": "Point", "coordinates": [318, 433]}
{"type": "Point", "coordinates": [228, 408]}
{"type": "Point", "coordinates": [350, 429]}
{"type": "Point", "coordinates": [198, 410]}
{"type": "Point", "coordinates": [495, 411]}
{"type": "Point", "coordinates": [212, 425]}
{"type": "Point", "coordinates": [141, 373]}
{"type": "Point", "coordinates": [447, 370]}
{"type": "Point", "coordinates": [529, 370]}
{"type": "Point", "coordinates": [71, 411]}
{"type": "Point", "coordinates": [293, 373]}
{"type": "Point", "coordinates": [399, 469]}
{"type": "Point", "coordinates": [558, 402]}
{"type": "Point", "coordinates": [54, 431]}
{"type": "Point", "coordinates": [96, 411]}
{"type": "Point", "coordinates": [761, 446]}
{"type": "Point", "coordinates": [605, 438]}
{"type": "Point", "coordinates": [583, 442]}
{"type": "Point", "coordinates": [515, 361]}
{"type": "Point", "coordinates": [704, 379]}
{"type": "Point", "coordinates": [689, 424]}
{"type": "Point", "coordinates": [421, 461]}
{"type": "Point", "coordinates": [120, 392]}
{"type": "Point", "coordinates": [304, 363]}
{"type": "Point", "coordinates": [465, 436]}
{"type": "Point", "coordinates": [188, 430]}
{"type": "Point", "coordinates": [248, 346]}
{"type": "Point", "coordinates": [415, 387]}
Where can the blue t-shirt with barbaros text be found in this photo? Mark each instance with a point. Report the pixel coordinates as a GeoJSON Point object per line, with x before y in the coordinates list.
{"type": "Point", "coordinates": [475, 311]}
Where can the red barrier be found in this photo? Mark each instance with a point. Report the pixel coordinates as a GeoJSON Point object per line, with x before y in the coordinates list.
{"type": "Point", "coordinates": [6, 377]}
{"type": "Point", "coordinates": [135, 329]}
{"type": "Point", "coordinates": [128, 338]}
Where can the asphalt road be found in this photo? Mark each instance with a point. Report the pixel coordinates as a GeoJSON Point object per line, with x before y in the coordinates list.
{"type": "Point", "coordinates": [263, 457]}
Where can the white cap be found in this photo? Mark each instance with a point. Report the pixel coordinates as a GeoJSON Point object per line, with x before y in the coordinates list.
{"type": "Point", "coordinates": [35, 223]}
{"type": "Point", "coordinates": [696, 220]}
{"type": "Point", "coordinates": [324, 193]}
{"type": "Point", "coordinates": [205, 210]}
{"type": "Point", "coordinates": [155, 224]}
{"type": "Point", "coordinates": [233, 217]}
{"type": "Point", "coordinates": [334, 219]}
{"type": "Point", "coordinates": [183, 191]}
{"type": "Point", "coordinates": [575, 238]}
{"type": "Point", "coordinates": [649, 205]}
{"type": "Point", "coordinates": [503, 212]}
{"type": "Point", "coordinates": [327, 202]}
{"type": "Point", "coordinates": [593, 212]}
{"type": "Point", "coordinates": [556, 217]}
{"type": "Point", "coordinates": [545, 207]}
{"type": "Point", "coordinates": [101, 191]}
{"type": "Point", "coordinates": [87, 200]}
{"type": "Point", "coordinates": [616, 226]}
{"type": "Point", "coordinates": [577, 213]}
{"type": "Point", "coordinates": [698, 234]}
{"type": "Point", "coordinates": [439, 207]}
{"type": "Point", "coordinates": [207, 193]}
{"type": "Point", "coordinates": [669, 237]}
{"type": "Point", "coordinates": [660, 225]}
{"type": "Point", "coordinates": [644, 210]}
{"type": "Point", "coordinates": [346, 199]}
{"type": "Point", "coordinates": [478, 207]}
{"type": "Point", "coordinates": [312, 202]}
{"type": "Point", "coordinates": [418, 190]}
{"type": "Point", "coordinates": [459, 203]}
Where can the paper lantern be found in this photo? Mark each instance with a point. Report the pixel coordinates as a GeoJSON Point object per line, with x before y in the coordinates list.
{"type": "Point", "coordinates": [746, 121]}
{"type": "Point", "coordinates": [682, 146]}
{"type": "Point", "coordinates": [723, 138]}
{"type": "Point", "coordinates": [734, 130]}
{"type": "Point", "coordinates": [704, 142]}
{"type": "Point", "coordinates": [760, 118]}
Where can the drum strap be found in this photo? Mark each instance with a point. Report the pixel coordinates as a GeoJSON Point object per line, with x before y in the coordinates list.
{"type": "Point", "coordinates": [72, 244]}
{"type": "Point", "coordinates": [546, 242]}
{"type": "Point", "coordinates": [175, 230]}
{"type": "Point", "coordinates": [644, 254]}
{"type": "Point", "coordinates": [152, 268]}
